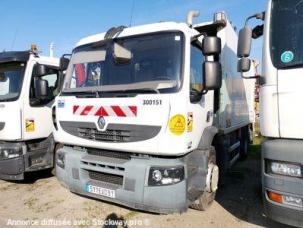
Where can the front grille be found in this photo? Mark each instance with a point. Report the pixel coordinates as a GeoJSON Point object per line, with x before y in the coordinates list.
{"type": "Point", "coordinates": [106, 177]}
{"type": "Point", "coordinates": [108, 135]}
{"type": "Point", "coordinates": [115, 133]}
{"type": "Point", "coordinates": [109, 154]}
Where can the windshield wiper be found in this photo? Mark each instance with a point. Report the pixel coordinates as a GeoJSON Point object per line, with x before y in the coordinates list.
{"type": "Point", "coordinates": [142, 90]}
{"type": "Point", "coordinates": [83, 94]}
{"type": "Point", "coordinates": [8, 99]}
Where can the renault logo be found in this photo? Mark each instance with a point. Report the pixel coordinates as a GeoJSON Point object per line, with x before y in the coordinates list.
{"type": "Point", "coordinates": [101, 122]}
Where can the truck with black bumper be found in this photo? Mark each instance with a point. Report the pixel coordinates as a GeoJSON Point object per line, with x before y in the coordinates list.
{"type": "Point", "coordinates": [147, 114]}
{"type": "Point", "coordinates": [28, 85]}
{"type": "Point", "coordinates": [280, 107]}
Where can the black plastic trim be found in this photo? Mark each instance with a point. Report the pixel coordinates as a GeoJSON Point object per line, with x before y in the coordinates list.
{"type": "Point", "coordinates": [14, 56]}
{"type": "Point", "coordinates": [131, 132]}
{"type": "Point", "coordinates": [2, 125]}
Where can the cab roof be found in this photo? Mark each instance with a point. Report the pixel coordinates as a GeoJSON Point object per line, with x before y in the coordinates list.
{"type": "Point", "coordinates": [138, 30]}
{"type": "Point", "coordinates": [14, 56]}
{"type": "Point", "coordinates": [24, 56]}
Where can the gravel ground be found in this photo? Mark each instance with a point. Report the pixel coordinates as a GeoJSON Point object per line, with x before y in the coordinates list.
{"type": "Point", "coordinates": [41, 200]}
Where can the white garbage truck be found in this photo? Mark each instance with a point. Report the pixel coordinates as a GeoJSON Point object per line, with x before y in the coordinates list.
{"type": "Point", "coordinates": [280, 109]}
{"type": "Point", "coordinates": [148, 113]}
{"type": "Point", "coordinates": [28, 86]}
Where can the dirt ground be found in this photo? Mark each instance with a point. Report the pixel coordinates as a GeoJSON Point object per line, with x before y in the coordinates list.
{"type": "Point", "coordinates": [41, 200]}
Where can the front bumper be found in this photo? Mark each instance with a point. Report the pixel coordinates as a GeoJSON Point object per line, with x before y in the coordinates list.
{"type": "Point", "coordinates": [12, 169]}
{"type": "Point", "coordinates": [285, 215]}
{"type": "Point", "coordinates": [133, 191]}
{"type": "Point", "coordinates": [285, 151]}
{"type": "Point", "coordinates": [35, 156]}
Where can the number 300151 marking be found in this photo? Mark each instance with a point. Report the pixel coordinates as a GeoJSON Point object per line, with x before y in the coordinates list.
{"type": "Point", "coordinates": [152, 102]}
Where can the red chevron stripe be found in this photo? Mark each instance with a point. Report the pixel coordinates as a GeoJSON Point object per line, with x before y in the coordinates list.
{"type": "Point", "coordinates": [118, 111]}
{"type": "Point", "coordinates": [86, 110]}
{"type": "Point", "coordinates": [101, 112]}
{"type": "Point", "coordinates": [75, 108]}
{"type": "Point", "coordinates": [133, 109]}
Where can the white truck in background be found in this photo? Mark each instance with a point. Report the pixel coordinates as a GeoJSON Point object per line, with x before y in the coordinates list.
{"type": "Point", "coordinates": [280, 106]}
{"type": "Point", "coordinates": [147, 114]}
{"type": "Point", "coordinates": [28, 86]}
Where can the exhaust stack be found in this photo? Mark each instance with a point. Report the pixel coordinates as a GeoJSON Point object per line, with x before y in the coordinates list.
{"type": "Point", "coordinates": [190, 15]}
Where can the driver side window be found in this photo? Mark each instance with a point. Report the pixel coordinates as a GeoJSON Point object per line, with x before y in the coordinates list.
{"type": "Point", "coordinates": [196, 74]}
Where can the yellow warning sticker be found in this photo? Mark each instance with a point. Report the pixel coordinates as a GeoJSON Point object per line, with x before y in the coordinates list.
{"type": "Point", "coordinates": [177, 124]}
{"type": "Point", "coordinates": [30, 125]}
{"type": "Point", "coordinates": [190, 122]}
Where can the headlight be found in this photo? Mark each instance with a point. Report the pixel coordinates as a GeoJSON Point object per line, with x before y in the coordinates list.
{"type": "Point", "coordinates": [285, 169]}
{"type": "Point", "coordinates": [10, 152]}
{"type": "Point", "coordinates": [60, 161]}
{"type": "Point", "coordinates": [165, 175]}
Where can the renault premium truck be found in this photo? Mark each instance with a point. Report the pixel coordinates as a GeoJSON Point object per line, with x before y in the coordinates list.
{"type": "Point", "coordinates": [28, 86]}
{"type": "Point", "coordinates": [148, 114]}
{"type": "Point", "coordinates": [280, 107]}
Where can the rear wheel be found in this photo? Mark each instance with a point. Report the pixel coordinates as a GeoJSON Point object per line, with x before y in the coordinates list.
{"type": "Point", "coordinates": [208, 196]}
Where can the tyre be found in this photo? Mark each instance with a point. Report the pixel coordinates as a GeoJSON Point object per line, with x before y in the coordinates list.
{"type": "Point", "coordinates": [244, 144]}
{"type": "Point", "coordinates": [208, 196]}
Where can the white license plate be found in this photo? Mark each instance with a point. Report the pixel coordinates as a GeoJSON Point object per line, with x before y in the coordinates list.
{"type": "Point", "coordinates": [100, 191]}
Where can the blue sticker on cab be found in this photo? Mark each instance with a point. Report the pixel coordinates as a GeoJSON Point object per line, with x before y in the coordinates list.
{"type": "Point", "coordinates": [287, 57]}
{"type": "Point", "coordinates": [61, 103]}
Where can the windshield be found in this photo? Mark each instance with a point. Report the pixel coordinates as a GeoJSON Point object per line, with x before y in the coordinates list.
{"type": "Point", "coordinates": [287, 33]}
{"type": "Point", "coordinates": [155, 65]}
{"type": "Point", "coordinates": [11, 77]}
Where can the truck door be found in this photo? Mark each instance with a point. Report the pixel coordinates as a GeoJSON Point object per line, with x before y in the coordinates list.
{"type": "Point", "coordinates": [199, 111]}
{"type": "Point", "coordinates": [287, 57]}
{"type": "Point", "coordinates": [290, 96]}
{"type": "Point", "coordinates": [37, 112]}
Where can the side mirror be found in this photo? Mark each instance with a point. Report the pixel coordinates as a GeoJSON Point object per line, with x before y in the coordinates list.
{"type": "Point", "coordinates": [121, 54]}
{"type": "Point", "coordinates": [212, 72]}
{"type": "Point", "coordinates": [41, 89]}
{"type": "Point", "coordinates": [211, 45]}
{"type": "Point", "coordinates": [244, 42]}
{"type": "Point", "coordinates": [63, 63]}
{"type": "Point", "coordinates": [244, 65]}
{"type": "Point", "coordinates": [40, 70]}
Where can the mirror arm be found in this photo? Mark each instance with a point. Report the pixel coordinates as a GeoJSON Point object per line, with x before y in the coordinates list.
{"type": "Point", "coordinates": [195, 38]}
{"type": "Point", "coordinates": [205, 91]}
{"type": "Point", "coordinates": [66, 55]}
{"type": "Point", "coordinates": [259, 16]}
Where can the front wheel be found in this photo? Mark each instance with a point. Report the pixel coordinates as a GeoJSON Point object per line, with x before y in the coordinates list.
{"type": "Point", "coordinates": [212, 178]}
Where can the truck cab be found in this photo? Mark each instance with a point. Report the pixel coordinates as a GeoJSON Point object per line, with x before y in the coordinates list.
{"type": "Point", "coordinates": [29, 84]}
{"type": "Point", "coordinates": [280, 110]}
{"type": "Point", "coordinates": [140, 108]}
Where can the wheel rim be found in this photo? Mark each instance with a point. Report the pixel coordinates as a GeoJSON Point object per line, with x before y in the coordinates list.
{"type": "Point", "coordinates": [212, 178]}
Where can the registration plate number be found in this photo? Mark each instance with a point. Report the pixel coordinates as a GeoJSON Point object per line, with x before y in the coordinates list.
{"type": "Point", "coordinates": [101, 191]}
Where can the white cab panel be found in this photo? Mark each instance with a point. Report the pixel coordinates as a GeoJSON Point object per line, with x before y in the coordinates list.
{"type": "Point", "coordinates": [290, 103]}
{"type": "Point", "coordinates": [10, 115]}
